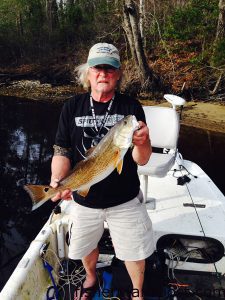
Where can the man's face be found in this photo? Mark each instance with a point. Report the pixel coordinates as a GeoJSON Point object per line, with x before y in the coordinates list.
{"type": "Point", "coordinates": [103, 78]}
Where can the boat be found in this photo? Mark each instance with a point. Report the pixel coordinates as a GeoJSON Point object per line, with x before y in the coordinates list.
{"type": "Point", "coordinates": [188, 216]}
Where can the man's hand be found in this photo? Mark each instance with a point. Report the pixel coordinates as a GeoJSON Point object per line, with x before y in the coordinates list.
{"type": "Point", "coordinates": [64, 195]}
{"type": "Point", "coordinates": [142, 145]}
{"type": "Point", "coordinates": [141, 136]}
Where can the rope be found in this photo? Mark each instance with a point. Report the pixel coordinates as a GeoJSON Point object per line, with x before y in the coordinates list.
{"type": "Point", "coordinates": [75, 278]}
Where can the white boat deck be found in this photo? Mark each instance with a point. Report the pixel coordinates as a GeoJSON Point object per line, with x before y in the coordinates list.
{"type": "Point", "coordinates": [170, 216]}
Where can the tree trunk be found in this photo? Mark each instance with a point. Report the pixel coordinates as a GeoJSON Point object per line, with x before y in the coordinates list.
{"type": "Point", "coordinates": [220, 32]}
{"type": "Point", "coordinates": [128, 30]}
{"type": "Point", "coordinates": [19, 23]}
{"type": "Point", "coordinates": [132, 30]}
{"type": "Point", "coordinates": [52, 15]}
{"type": "Point", "coordinates": [142, 21]}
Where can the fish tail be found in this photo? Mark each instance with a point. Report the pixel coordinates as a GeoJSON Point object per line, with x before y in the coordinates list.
{"type": "Point", "coordinates": [38, 192]}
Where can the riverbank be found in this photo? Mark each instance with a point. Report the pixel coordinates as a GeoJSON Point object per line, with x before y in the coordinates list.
{"type": "Point", "coordinates": [204, 115]}
{"type": "Point", "coordinates": [198, 114]}
{"type": "Point", "coordinates": [34, 90]}
{"type": "Point", "coordinates": [208, 116]}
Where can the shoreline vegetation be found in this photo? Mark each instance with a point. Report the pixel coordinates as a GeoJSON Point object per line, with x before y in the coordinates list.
{"type": "Point", "coordinates": [166, 47]}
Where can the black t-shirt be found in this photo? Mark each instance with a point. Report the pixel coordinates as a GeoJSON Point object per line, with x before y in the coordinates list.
{"type": "Point", "coordinates": [76, 130]}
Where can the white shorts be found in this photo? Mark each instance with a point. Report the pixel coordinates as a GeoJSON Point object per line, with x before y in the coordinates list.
{"type": "Point", "coordinates": [129, 225]}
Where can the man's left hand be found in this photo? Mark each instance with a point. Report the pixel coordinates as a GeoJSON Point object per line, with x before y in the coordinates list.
{"type": "Point", "coordinates": [141, 136]}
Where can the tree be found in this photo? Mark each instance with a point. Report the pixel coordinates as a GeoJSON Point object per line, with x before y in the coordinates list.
{"type": "Point", "coordinates": [132, 30]}
{"type": "Point", "coordinates": [142, 20]}
{"type": "Point", "coordinates": [218, 56]}
{"type": "Point", "coordinates": [52, 15]}
{"type": "Point", "coordinates": [220, 32]}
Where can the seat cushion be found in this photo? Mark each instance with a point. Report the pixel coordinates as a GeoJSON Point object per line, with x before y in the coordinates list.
{"type": "Point", "coordinates": [158, 165]}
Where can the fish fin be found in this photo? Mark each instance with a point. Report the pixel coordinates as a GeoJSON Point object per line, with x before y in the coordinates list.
{"type": "Point", "coordinates": [38, 204]}
{"type": "Point", "coordinates": [118, 162]}
{"type": "Point", "coordinates": [83, 192]}
{"type": "Point", "coordinates": [119, 166]}
{"type": "Point", "coordinates": [38, 192]}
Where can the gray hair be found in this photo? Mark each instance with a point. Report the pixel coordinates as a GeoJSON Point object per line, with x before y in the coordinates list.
{"type": "Point", "coordinates": [82, 75]}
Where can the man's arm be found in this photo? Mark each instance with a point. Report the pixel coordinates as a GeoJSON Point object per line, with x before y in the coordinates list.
{"type": "Point", "coordinates": [142, 145]}
{"type": "Point", "coordinates": [61, 167]}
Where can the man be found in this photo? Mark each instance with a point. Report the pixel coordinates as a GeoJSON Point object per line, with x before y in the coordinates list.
{"type": "Point", "coordinates": [84, 120]}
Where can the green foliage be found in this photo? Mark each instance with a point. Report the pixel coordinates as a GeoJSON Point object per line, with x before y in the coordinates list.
{"type": "Point", "coordinates": [70, 18]}
{"type": "Point", "coordinates": [194, 20]}
{"type": "Point", "coordinates": [7, 17]}
{"type": "Point", "coordinates": [219, 53]}
{"type": "Point", "coordinates": [27, 30]}
{"type": "Point", "coordinates": [201, 59]}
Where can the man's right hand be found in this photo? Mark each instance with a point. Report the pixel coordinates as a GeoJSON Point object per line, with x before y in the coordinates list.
{"type": "Point", "coordinates": [64, 195]}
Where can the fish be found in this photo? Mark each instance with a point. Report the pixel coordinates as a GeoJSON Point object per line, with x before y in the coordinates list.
{"type": "Point", "coordinates": [99, 162]}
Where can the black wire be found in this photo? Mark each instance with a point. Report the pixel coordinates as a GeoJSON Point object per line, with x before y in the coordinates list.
{"type": "Point", "coordinates": [189, 173]}
{"type": "Point", "coordinates": [179, 170]}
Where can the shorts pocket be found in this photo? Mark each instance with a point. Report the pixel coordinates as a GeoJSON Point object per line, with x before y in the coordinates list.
{"type": "Point", "coordinates": [147, 224]}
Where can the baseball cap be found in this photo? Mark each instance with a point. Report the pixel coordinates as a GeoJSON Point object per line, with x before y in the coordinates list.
{"type": "Point", "coordinates": [103, 53]}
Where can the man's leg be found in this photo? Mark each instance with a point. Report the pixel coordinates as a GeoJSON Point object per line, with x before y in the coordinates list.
{"type": "Point", "coordinates": [136, 270]}
{"type": "Point", "coordinates": [89, 263]}
{"type": "Point", "coordinates": [132, 236]}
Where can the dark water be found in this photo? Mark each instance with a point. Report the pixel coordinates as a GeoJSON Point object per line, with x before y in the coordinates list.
{"type": "Point", "coordinates": [27, 131]}
{"type": "Point", "coordinates": [207, 149]}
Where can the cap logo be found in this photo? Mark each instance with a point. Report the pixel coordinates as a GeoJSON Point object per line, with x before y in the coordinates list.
{"type": "Point", "coordinates": [104, 50]}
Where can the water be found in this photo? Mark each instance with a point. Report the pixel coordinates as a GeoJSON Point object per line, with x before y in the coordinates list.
{"type": "Point", "coordinates": [207, 149]}
{"type": "Point", "coordinates": [27, 131]}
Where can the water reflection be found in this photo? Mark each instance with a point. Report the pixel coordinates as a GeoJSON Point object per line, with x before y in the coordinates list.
{"type": "Point", "coordinates": [27, 131]}
{"type": "Point", "coordinates": [206, 148]}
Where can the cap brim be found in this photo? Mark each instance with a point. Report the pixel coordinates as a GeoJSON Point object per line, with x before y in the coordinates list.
{"type": "Point", "coordinates": [104, 61]}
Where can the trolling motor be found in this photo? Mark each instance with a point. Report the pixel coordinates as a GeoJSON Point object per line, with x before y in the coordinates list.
{"type": "Point", "coordinates": [175, 101]}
